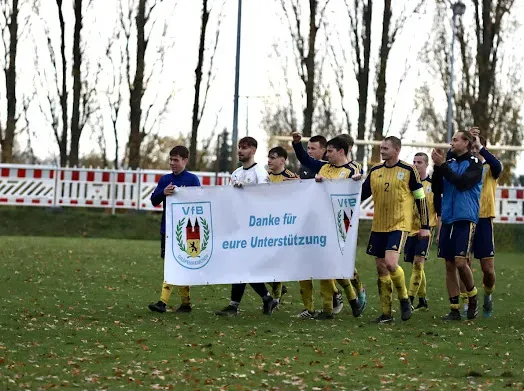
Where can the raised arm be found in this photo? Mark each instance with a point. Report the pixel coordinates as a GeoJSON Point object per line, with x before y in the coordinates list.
{"type": "Point", "coordinates": [494, 163]}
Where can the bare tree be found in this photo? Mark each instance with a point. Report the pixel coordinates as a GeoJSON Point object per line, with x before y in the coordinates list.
{"type": "Point", "coordinates": [306, 60]}
{"type": "Point", "coordinates": [10, 23]}
{"type": "Point", "coordinates": [199, 107]}
{"type": "Point", "coordinates": [488, 92]}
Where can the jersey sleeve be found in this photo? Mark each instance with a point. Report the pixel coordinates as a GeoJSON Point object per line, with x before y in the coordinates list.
{"type": "Point", "coordinates": [494, 163]}
{"type": "Point", "coordinates": [196, 181]}
{"type": "Point", "coordinates": [262, 175]}
{"type": "Point", "coordinates": [366, 188]}
{"type": "Point", "coordinates": [302, 156]}
{"type": "Point", "coordinates": [416, 187]}
{"type": "Point", "coordinates": [158, 194]}
{"type": "Point", "coordinates": [468, 179]}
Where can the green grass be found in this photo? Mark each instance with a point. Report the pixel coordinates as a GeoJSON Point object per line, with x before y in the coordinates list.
{"type": "Point", "coordinates": [74, 315]}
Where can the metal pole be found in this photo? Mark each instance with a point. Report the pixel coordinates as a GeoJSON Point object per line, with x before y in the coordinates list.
{"type": "Point", "coordinates": [450, 95]}
{"type": "Point", "coordinates": [234, 158]}
{"type": "Point", "coordinates": [247, 115]}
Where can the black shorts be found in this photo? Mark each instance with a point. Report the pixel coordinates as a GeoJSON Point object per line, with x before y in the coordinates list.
{"type": "Point", "coordinates": [380, 242]}
{"type": "Point", "coordinates": [455, 240]}
{"type": "Point", "coordinates": [416, 247]}
{"type": "Point", "coordinates": [162, 246]}
{"type": "Point", "coordinates": [483, 242]}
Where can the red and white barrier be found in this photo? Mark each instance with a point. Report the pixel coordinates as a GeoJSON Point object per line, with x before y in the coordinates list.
{"type": "Point", "coordinates": [126, 189]}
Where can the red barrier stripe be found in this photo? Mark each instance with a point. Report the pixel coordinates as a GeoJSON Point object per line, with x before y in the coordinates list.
{"type": "Point", "coordinates": [157, 177]}
{"type": "Point", "coordinates": [520, 219]}
{"type": "Point", "coordinates": [35, 201]}
{"type": "Point", "coordinates": [119, 203]}
{"type": "Point", "coordinates": [121, 177]}
{"type": "Point", "coordinates": [49, 201]}
{"type": "Point", "coordinates": [19, 200]}
{"type": "Point", "coordinates": [133, 203]}
{"type": "Point", "coordinates": [504, 193]}
{"type": "Point", "coordinates": [62, 175]}
{"type": "Point", "coordinates": [73, 202]}
{"type": "Point", "coordinates": [3, 199]}
{"type": "Point", "coordinates": [106, 177]}
{"type": "Point", "coordinates": [5, 172]}
{"type": "Point", "coordinates": [370, 214]}
{"type": "Point", "coordinates": [104, 202]}
{"type": "Point", "coordinates": [504, 218]}
{"type": "Point", "coordinates": [21, 173]}
{"type": "Point", "coordinates": [90, 176]}
{"type": "Point", "coordinates": [75, 175]}
{"type": "Point", "coordinates": [60, 201]}
{"type": "Point", "coordinates": [134, 178]}
{"type": "Point", "coordinates": [143, 205]}
{"type": "Point", "coordinates": [520, 194]}
{"type": "Point", "coordinates": [37, 174]}
{"type": "Point", "coordinates": [51, 174]}
{"type": "Point", "coordinates": [206, 181]}
{"type": "Point", "coordinates": [89, 202]}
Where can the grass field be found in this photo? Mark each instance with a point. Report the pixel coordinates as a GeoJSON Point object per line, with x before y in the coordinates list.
{"type": "Point", "coordinates": [74, 315]}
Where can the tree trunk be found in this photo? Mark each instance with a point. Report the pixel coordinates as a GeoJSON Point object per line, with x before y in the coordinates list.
{"type": "Point", "coordinates": [62, 145]}
{"type": "Point", "coordinates": [10, 81]}
{"type": "Point", "coordinates": [381, 80]}
{"type": "Point", "coordinates": [198, 82]}
{"type": "Point", "coordinates": [135, 100]}
{"type": "Point", "coordinates": [77, 86]}
{"type": "Point", "coordinates": [310, 70]}
{"type": "Point", "coordinates": [363, 78]}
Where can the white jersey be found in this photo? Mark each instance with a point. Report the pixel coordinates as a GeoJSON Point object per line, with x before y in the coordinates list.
{"type": "Point", "coordinates": [249, 176]}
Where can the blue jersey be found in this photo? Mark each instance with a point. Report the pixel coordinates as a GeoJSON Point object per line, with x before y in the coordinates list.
{"type": "Point", "coordinates": [183, 179]}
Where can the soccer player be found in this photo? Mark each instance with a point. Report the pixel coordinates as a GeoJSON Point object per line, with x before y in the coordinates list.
{"type": "Point", "coordinates": [337, 167]}
{"type": "Point", "coordinates": [483, 241]}
{"type": "Point", "coordinates": [249, 174]}
{"type": "Point", "coordinates": [459, 180]}
{"type": "Point", "coordinates": [166, 186]}
{"type": "Point", "coordinates": [416, 250]}
{"type": "Point", "coordinates": [395, 185]}
{"type": "Point", "coordinates": [316, 148]}
{"type": "Point", "coordinates": [276, 162]}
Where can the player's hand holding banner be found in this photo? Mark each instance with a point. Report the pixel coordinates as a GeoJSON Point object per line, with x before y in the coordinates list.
{"type": "Point", "coordinates": [272, 232]}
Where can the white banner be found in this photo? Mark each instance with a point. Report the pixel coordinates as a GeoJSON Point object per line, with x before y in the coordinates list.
{"type": "Point", "coordinates": [288, 231]}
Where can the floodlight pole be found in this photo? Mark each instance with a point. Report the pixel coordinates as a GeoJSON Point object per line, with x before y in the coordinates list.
{"type": "Point", "coordinates": [458, 10]}
{"type": "Point", "coordinates": [234, 158]}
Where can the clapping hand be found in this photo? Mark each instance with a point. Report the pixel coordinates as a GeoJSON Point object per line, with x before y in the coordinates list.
{"type": "Point", "coordinates": [438, 156]}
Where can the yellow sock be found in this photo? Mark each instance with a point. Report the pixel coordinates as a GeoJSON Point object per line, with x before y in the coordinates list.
{"type": "Point", "coordinates": [464, 297]}
{"type": "Point", "coordinates": [416, 278]}
{"type": "Point", "coordinates": [327, 292]}
{"type": "Point", "coordinates": [422, 288]}
{"type": "Point", "coordinates": [472, 292]}
{"type": "Point", "coordinates": [167, 289]}
{"type": "Point", "coordinates": [348, 288]}
{"type": "Point", "coordinates": [386, 293]}
{"type": "Point", "coordinates": [276, 290]}
{"type": "Point", "coordinates": [183, 292]}
{"type": "Point", "coordinates": [306, 292]}
{"type": "Point", "coordinates": [488, 291]}
{"type": "Point", "coordinates": [356, 282]}
{"type": "Point", "coordinates": [400, 283]}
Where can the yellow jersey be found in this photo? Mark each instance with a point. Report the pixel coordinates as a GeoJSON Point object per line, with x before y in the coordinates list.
{"type": "Point", "coordinates": [286, 174]}
{"type": "Point", "coordinates": [487, 194]}
{"type": "Point", "coordinates": [430, 200]}
{"type": "Point", "coordinates": [330, 171]}
{"type": "Point", "coordinates": [392, 189]}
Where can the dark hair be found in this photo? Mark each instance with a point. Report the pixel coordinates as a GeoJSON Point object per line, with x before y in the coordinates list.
{"type": "Point", "coordinates": [425, 156]}
{"type": "Point", "coordinates": [279, 151]}
{"type": "Point", "coordinates": [339, 143]}
{"type": "Point", "coordinates": [395, 141]}
{"type": "Point", "coordinates": [348, 139]}
{"type": "Point", "coordinates": [319, 139]}
{"type": "Point", "coordinates": [179, 150]}
{"type": "Point", "coordinates": [249, 141]}
{"type": "Point", "coordinates": [466, 136]}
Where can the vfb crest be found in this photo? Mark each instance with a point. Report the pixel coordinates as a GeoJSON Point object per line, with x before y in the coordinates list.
{"type": "Point", "coordinates": [343, 206]}
{"type": "Point", "coordinates": [192, 242]}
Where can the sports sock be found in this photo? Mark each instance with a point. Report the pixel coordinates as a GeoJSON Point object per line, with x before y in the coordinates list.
{"type": "Point", "coordinates": [416, 278]}
{"type": "Point", "coordinates": [386, 293]}
{"type": "Point", "coordinates": [306, 292]}
{"type": "Point", "coordinates": [488, 291]}
{"type": "Point", "coordinates": [400, 283]}
{"type": "Point", "coordinates": [276, 290]}
{"type": "Point", "coordinates": [167, 289]}
{"type": "Point", "coordinates": [348, 288]}
{"type": "Point", "coordinates": [326, 292]}
{"type": "Point", "coordinates": [464, 297]}
{"type": "Point", "coordinates": [422, 288]}
{"type": "Point", "coordinates": [356, 282]}
{"type": "Point", "coordinates": [183, 292]}
{"type": "Point", "coordinates": [454, 303]}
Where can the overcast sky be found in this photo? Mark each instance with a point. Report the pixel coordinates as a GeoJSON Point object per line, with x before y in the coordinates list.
{"type": "Point", "coordinates": [261, 70]}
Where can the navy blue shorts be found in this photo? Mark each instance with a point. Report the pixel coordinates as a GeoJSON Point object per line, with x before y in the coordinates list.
{"type": "Point", "coordinates": [456, 239]}
{"type": "Point", "coordinates": [162, 246]}
{"type": "Point", "coordinates": [380, 242]}
{"type": "Point", "coordinates": [483, 242]}
{"type": "Point", "coordinates": [416, 247]}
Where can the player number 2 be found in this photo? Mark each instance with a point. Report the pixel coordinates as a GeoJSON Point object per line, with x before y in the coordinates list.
{"type": "Point", "coordinates": [387, 186]}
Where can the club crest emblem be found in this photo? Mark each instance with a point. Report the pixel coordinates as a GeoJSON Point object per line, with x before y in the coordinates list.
{"type": "Point", "coordinates": [343, 206]}
{"type": "Point", "coordinates": [192, 239]}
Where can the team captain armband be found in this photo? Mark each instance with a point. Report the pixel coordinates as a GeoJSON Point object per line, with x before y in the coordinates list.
{"type": "Point", "coordinates": [419, 194]}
